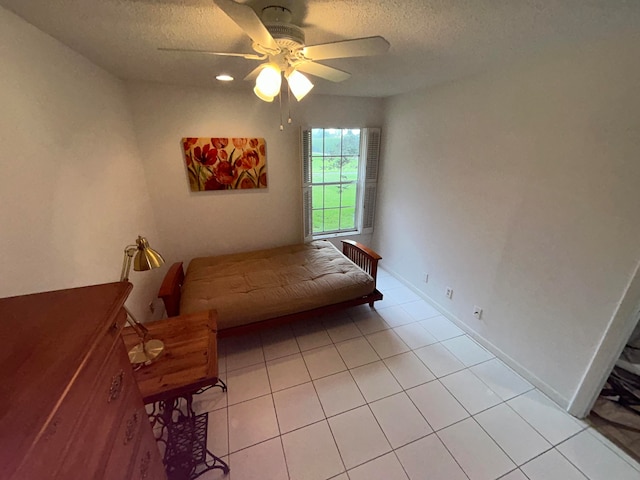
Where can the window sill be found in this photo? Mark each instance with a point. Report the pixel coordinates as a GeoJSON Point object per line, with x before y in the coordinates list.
{"type": "Point", "coordinates": [324, 236]}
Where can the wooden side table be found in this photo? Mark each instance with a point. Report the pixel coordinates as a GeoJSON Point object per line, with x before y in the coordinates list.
{"type": "Point", "coordinates": [188, 365]}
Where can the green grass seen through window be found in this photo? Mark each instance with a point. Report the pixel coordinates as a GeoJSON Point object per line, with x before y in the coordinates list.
{"type": "Point", "coordinates": [334, 176]}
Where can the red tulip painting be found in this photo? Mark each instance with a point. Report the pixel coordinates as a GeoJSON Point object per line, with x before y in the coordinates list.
{"type": "Point", "coordinates": [225, 163]}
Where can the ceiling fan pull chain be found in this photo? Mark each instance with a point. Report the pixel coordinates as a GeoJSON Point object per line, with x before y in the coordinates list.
{"type": "Point", "coordinates": [280, 100]}
{"type": "Point", "coordinates": [289, 103]}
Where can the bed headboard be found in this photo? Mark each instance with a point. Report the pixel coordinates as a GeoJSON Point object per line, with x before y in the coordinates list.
{"type": "Point", "coordinates": [170, 289]}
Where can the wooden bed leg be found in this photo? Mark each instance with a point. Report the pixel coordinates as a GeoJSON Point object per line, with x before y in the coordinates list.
{"type": "Point", "coordinates": [365, 258]}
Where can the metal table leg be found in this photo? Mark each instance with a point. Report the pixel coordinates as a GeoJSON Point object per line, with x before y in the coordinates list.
{"type": "Point", "coordinates": [184, 437]}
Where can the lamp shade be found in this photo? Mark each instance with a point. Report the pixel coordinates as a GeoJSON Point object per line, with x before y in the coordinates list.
{"type": "Point", "coordinates": [299, 84]}
{"type": "Point", "coordinates": [268, 82]}
{"type": "Point", "coordinates": [146, 257]}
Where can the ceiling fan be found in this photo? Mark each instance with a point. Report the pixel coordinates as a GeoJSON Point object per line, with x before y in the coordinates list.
{"type": "Point", "coordinates": [281, 44]}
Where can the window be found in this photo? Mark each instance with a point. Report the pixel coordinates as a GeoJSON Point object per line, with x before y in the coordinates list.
{"type": "Point", "coordinates": [340, 168]}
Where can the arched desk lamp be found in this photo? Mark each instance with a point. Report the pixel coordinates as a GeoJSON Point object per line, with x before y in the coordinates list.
{"type": "Point", "coordinates": [146, 258]}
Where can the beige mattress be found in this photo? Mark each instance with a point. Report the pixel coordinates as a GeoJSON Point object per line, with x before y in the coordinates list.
{"type": "Point", "coordinates": [254, 286]}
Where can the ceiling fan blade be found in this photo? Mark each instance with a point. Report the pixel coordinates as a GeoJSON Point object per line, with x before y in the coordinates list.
{"type": "Point", "coordinates": [244, 16]}
{"type": "Point", "coordinates": [254, 73]}
{"type": "Point", "coordinates": [358, 47]}
{"type": "Point", "coordinates": [323, 71]}
{"type": "Point", "coordinates": [248, 56]}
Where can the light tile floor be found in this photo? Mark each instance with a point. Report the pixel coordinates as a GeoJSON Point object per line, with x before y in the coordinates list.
{"type": "Point", "coordinates": [398, 392]}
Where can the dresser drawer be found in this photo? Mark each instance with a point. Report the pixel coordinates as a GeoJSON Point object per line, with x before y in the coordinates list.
{"type": "Point", "coordinates": [133, 425]}
{"type": "Point", "coordinates": [115, 397]}
{"type": "Point", "coordinates": [52, 443]}
{"type": "Point", "coordinates": [147, 464]}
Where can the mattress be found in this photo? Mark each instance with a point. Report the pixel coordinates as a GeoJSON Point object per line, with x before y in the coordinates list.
{"type": "Point", "coordinates": [253, 286]}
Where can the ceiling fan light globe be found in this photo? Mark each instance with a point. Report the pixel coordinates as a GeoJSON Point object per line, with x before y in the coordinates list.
{"type": "Point", "coordinates": [269, 81]}
{"type": "Point", "coordinates": [299, 84]}
{"type": "Point", "coordinates": [261, 95]}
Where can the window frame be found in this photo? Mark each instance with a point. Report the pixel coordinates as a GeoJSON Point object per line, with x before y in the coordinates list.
{"type": "Point", "coordinates": [366, 183]}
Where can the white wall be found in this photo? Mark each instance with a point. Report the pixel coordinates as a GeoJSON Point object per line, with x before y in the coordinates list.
{"type": "Point", "coordinates": [204, 223]}
{"type": "Point", "coordinates": [72, 188]}
{"type": "Point", "coordinates": [520, 189]}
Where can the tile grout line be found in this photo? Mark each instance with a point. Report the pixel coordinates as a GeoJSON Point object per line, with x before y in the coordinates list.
{"type": "Point", "coordinates": [451, 453]}
{"type": "Point", "coordinates": [551, 447]}
{"type": "Point", "coordinates": [591, 430]}
{"type": "Point", "coordinates": [403, 390]}
{"type": "Point", "coordinates": [326, 420]}
{"type": "Point", "coordinates": [567, 458]}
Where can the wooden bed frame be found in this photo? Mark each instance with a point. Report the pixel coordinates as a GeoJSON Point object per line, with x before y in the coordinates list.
{"type": "Point", "coordinates": [359, 254]}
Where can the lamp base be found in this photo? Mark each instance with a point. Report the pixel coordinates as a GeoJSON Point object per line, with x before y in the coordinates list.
{"type": "Point", "coordinates": [146, 353]}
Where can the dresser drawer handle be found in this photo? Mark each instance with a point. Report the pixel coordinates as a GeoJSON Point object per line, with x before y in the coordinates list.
{"type": "Point", "coordinates": [52, 429]}
{"type": "Point", "coordinates": [117, 382]}
{"type": "Point", "coordinates": [132, 427]}
{"type": "Point", "coordinates": [144, 464]}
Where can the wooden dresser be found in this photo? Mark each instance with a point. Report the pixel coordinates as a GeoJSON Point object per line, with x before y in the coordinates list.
{"type": "Point", "coordinates": [69, 405]}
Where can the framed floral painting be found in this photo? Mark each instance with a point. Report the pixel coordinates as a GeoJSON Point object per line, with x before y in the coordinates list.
{"type": "Point", "coordinates": [225, 163]}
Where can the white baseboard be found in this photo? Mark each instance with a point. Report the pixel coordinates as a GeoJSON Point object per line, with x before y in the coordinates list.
{"type": "Point", "coordinates": [498, 352]}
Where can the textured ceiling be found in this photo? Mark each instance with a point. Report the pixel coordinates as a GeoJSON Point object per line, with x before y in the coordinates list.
{"type": "Point", "coordinates": [432, 41]}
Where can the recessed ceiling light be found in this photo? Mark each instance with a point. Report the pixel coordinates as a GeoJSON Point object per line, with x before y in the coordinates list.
{"type": "Point", "coordinates": [224, 78]}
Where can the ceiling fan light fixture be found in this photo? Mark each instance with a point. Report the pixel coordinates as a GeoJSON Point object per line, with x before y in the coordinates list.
{"type": "Point", "coordinates": [282, 44]}
{"type": "Point", "coordinates": [268, 82]}
{"type": "Point", "coordinates": [261, 95]}
{"type": "Point", "coordinates": [299, 84]}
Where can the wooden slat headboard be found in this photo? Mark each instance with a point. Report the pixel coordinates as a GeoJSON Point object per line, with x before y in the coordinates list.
{"type": "Point", "coordinates": [362, 256]}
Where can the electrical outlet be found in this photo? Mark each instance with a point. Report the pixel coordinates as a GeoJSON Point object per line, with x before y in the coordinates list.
{"type": "Point", "coordinates": [449, 293]}
{"type": "Point", "coordinates": [477, 312]}
{"type": "Point", "coordinates": [425, 277]}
